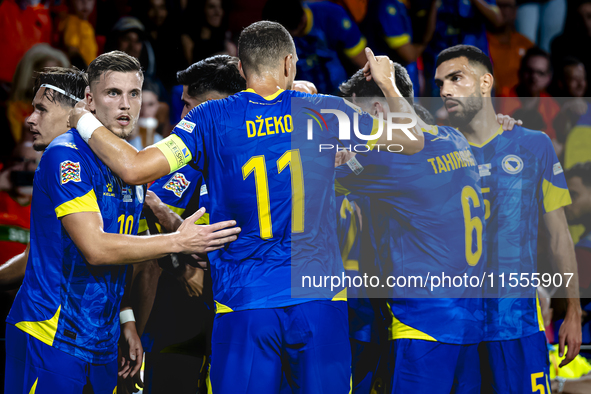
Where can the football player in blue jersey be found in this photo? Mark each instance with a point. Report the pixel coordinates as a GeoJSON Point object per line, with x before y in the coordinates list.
{"type": "Point", "coordinates": [171, 198]}
{"type": "Point", "coordinates": [260, 330]}
{"type": "Point", "coordinates": [64, 324]}
{"type": "Point", "coordinates": [521, 180]}
{"type": "Point", "coordinates": [417, 207]}
{"type": "Point", "coordinates": [213, 78]}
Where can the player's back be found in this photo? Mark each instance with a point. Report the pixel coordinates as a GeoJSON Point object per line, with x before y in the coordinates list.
{"type": "Point", "coordinates": [262, 171]}
{"type": "Point", "coordinates": [427, 213]}
{"type": "Point", "coordinates": [64, 301]}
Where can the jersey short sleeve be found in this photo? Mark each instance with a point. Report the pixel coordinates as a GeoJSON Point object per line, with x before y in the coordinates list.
{"type": "Point", "coordinates": [553, 193]}
{"type": "Point", "coordinates": [67, 180]}
{"type": "Point", "coordinates": [341, 28]}
{"type": "Point", "coordinates": [395, 23]}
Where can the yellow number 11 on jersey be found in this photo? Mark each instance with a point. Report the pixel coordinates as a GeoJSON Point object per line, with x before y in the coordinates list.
{"type": "Point", "coordinates": [257, 165]}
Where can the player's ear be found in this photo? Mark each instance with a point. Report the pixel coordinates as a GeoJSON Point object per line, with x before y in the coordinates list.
{"type": "Point", "coordinates": [486, 84]}
{"type": "Point", "coordinates": [89, 99]}
{"type": "Point", "coordinates": [287, 65]}
{"type": "Point", "coordinates": [240, 70]}
{"type": "Point", "coordinates": [378, 108]}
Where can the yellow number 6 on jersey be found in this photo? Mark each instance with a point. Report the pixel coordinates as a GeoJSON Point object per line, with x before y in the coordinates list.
{"type": "Point", "coordinates": [472, 224]}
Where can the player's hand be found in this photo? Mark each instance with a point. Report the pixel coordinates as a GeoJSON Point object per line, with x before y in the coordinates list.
{"type": "Point", "coordinates": [200, 239]}
{"type": "Point", "coordinates": [304, 86]}
{"type": "Point", "coordinates": [571, 336]}
{"type": "Point", "coordinates": [79, 110]}
{"type": "Point", "coordinates": [343, 156]}
{"type": "Point", "coordinates": [379, 68]}
{"type": "Point", "coordinates": [132, 351]}
{"type": "Point", "coordinates": [192, 280]}
{"type": "Point", "coordinates": [508, 122]}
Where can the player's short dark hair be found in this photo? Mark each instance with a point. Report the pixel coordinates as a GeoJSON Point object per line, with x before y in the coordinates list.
{"type": "Point", "coordinates": [217, 73]}
{"type": "Point", "coordinates": [70, 80]}
{"type": "Point", "coordinates": [287, 12]}
{"type": "Point", "coordinates": [263, 45]}
{"type": "Point", "coordinates": [473, 54]}
{"type": "Point", "coordinates": [424, 114]}
{"type": "Point", "coordinates": [535, 52]}
{"type": "Point", "coordinates": [582, 170]}
{"type": "Point", "coordinates": [358, 86]}
{"type": "Point", "coordinates": [112, 61]}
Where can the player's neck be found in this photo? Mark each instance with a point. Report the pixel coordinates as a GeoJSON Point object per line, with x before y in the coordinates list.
{"type": "Point", "coordinates": [265, 85]}
{"type": "Point", "coordinates": [482, 126]}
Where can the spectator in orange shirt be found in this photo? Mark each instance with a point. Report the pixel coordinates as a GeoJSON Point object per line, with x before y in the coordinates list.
{"type": "Point", "coordinates": [78, 34]}
{"type": "Point", "coordinates": [535, 74]}
{"type": "Point", "coordinates": [21, 27]}
{"type": "Point", "coordinates": [507, 47]}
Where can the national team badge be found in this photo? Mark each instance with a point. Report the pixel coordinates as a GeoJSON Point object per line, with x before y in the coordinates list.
{"type": "Point", "coordinates": [177, 184]}
{"type": "Point", "coordinates": [69, 171]}
{"type": "Point", "coordinates": [512, 164]}
{"type": "Point", "coordinates": [186, 125]}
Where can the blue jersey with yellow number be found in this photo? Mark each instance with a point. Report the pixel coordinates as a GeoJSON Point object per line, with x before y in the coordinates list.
{"type": "Point", "coordinates": [254, 155]}
{"type": "Point", "coordinates": [328, 29]}
{"type": "Point", "coordinates": [521, 178]}
{"type": "Point", "coordinates": [64, 301]}
{"type": "Point", "coordinates": [427, 215]}
{"type": "Point", "coordinates": [176, 190]}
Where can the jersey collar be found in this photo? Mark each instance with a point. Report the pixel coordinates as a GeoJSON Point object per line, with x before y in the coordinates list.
{"type": "Point", "coordinates": [268, 98]}
{"type": "Point", "coordinates": [492, 137]}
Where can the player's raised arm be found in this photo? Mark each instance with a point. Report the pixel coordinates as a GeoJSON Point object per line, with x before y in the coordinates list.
{"type": "Point", "coordinates": [133, 167]}
{"type": "Point", "coordinates": [381, 71]}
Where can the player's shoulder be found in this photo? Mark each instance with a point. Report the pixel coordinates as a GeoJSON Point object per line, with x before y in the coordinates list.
{"type": "Point", "coordinates": [533, 140]}
{"type": "Point", "coordinates": [67, 146]}
{"type": "Point", "coordinates": [445, 134]}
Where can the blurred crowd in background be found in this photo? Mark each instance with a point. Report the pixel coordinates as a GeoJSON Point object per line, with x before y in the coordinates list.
{"type": "Point", "coordinates": [539, 48]}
